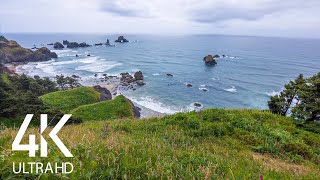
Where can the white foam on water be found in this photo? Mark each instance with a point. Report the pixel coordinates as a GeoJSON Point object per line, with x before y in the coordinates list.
{"type": "Point", "coordinates": [61, 51]}
{"type": "Point", "coordinates": [203, 89]}
{"type": "Point", "coordinates": [84, 60]}
{"type": "Point", "coordinates": [215, 79]}
{"type": "Point", "coordinates": [232, 89]}
{"type": "Point", "coordinates": [98, 67]}
{"type": "Point", "coordinates": [154, 105]}
{"type": "Point", "coordinates": [156, 74]}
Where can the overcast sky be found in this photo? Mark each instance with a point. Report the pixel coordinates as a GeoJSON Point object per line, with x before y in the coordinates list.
{"type": "Point", "coordinates": [286, 18]}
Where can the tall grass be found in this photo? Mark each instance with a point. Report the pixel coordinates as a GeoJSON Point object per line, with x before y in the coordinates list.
{"type": "Point", "coordinates": [219, 144]}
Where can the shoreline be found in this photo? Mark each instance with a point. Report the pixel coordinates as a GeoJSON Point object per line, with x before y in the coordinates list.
{"type": "Point", "coordinates": [114, 86]}
{"type": "Point", "coordinates": [12, 67]}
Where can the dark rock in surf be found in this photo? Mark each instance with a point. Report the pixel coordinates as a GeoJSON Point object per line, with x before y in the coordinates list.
{"type": "Point", "coordinates": [140, 83]}
{"type": "Point", "coordinates": [58, 45]}
{"type": "Point", "coordinates": [189, 85]}
{"type": "Point", "coordinates": [72, 45]}
{"type": "Point", "coordinates": [209, 60]}
{"type": "Point", "coordinates": [65, 42]}
{"type": "Point", "coordinates": [197, 104]}
{"type": "Point", "coordinates": [138, 75]}
{"type": "Point", "coordinates": [121, 39]}
{"type": "Point", "coordinates": [84, 45]}
{"type": "Point", "coordinates": [126, 78]}
{"type": "Point", "coordinates": [46, 53]}
{"type": "Point", "coordinates": [170, 75]}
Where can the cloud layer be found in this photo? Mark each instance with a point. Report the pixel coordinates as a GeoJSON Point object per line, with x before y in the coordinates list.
{"type": "Point", "coordinates": [244, 17]}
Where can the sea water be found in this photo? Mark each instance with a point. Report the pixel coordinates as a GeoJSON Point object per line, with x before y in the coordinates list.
{"type": "Point", "coordinates": [254, 67]}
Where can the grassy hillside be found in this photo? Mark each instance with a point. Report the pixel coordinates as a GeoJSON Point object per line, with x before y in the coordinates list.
{"type": "Point", "coordinates": [70, 99]}
{"type": "Point", "coordinates": [215, 144]}
{"type": "Point", "coordinates": [119, 107]}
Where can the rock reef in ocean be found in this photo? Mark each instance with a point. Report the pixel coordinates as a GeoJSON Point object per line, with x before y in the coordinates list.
{"type": "Point", "coordinates": [83, 44]}
{"type": "Point", "coordinates": [72, 45]}
{"type": "Point", "coordinates": [127, 80]}
{"type": "Point", "coordinates": [121, 39]}
{"type": "Point", "coordinates": [138, 75]}
{"type": "Point", "coordinates": [65, 42]}
{"type": "Point", "coordinates": [12, 52]}
{"type": "Point", "coordinates": [58, 45]}
{"type": "Point", "coordinates": [209, 59]}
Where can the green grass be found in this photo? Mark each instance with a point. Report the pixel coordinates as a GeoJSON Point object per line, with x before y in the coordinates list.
{"type": "Point", "coordinates": [70, 99]}
{"type": "Point", "coordinates": [217, 144]}
{"type": "Point", "coordinates": [119, 107]}
{"type": "Point", "coordinates": [5, 78]}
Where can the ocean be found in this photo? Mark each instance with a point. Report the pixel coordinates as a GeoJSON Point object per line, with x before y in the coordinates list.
{"type": "Point", "coordinates": [254, 67]}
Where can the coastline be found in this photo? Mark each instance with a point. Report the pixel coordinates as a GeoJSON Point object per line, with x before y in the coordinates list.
{"type": "Point", "coordinates": [114, 86]}
{"type": "Point", "coordinates": [12, 67]}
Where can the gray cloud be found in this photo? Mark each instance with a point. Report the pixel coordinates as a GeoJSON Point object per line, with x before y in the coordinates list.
{"type": "Point", "coordinates": [243, 17]}
{"type": "Point", "coordinates": [205, 11]}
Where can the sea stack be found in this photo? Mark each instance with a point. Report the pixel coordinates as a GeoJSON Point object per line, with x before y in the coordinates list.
{"type": "Point", "coordinates": [209, 60]}
{"type": "Point", "coordinates": [58, 45]}
{"type": "Point", "coordinates": [65, 42]}
{"type": "Point", "coordinates": [121, 39]}
{"type": "Point", "coordinates": [73, 45]}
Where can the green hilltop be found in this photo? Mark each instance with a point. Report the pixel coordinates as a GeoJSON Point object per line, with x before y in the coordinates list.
{"type": "Point", "coordinates": [213, 144]}
{"type": "Point", "coordinates": [72, 98]}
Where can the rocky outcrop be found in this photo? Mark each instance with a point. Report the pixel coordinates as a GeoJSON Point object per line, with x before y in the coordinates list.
{"type": "Point", "coordinates": [11, 51]}
{"type": "Point", "coordinates": [140, 83]}
{"type": "Point", "coordinates": [84, 45]}
{"type": "Point", "coordinates": [121, 39]}
{"type": "Point", "coordinates": [138, 75]}
{"type": "Point", "coordinates": [73, 45]}
{"type": "Point", "coordinates": [170, 75]}
{"type": "Point", "coordinates": [197, 104]}
{"type": "Point", "coordinates": [65, 42]}
{"type": "Point", "coordinates": [58, 45]}
{"type": "Point", "coordinates": [104, 93]}
{"type": "Point", "coordinates": [107, 43]}
{"type": "Point", "coordinates": [209, 60]}
{"type": "Point", "coordinates": [98, 44]}
{"type": "Point", "coordinates": [46, 53]}
{"type": "Point", "coordinates": [127, 78]}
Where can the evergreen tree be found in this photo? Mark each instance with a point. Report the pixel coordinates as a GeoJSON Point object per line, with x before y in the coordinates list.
{"type": "Point", "coordinates": [300, 97]}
